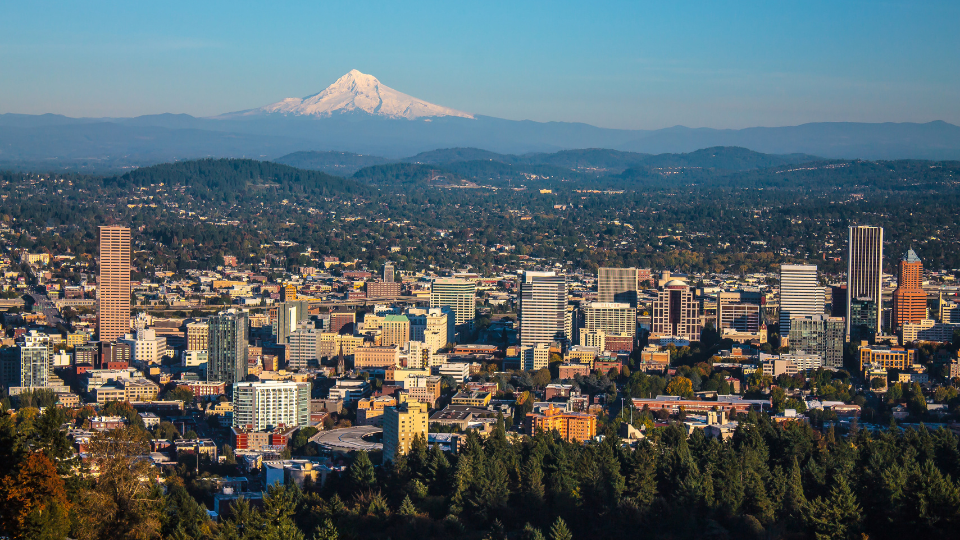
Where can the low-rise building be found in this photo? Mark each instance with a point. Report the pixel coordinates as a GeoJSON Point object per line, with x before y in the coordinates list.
{"type": "Point", "coordinates": [571, 426]}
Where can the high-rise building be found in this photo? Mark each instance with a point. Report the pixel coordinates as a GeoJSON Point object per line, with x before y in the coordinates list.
{"type": "Point", "coordinates": [113, 285]}
{"type": "Point", "coordinates": [457, 294]}
{"type": "Point", "coordinates": [800, 294]}
{"type": "Point", "coordinates": [25, 367]}
{"type": "Point", "coordinates": [388, 272]}
{"type": "Point", "coordinates": [227, 343]}
{"type": "Point", "coordinates": [739, 311]}
{"type": "Point", "coordinates": [395, 330]}
{"type": "Point", "coordinates": [269, 404]}
{"type": "Point", "coordinates": [401, 425]}
{"type": "Point", "coordinates": [611, 317]}
{"type": "Point", "coordinates": [820, 335]}
{"type": "Point", "coordinates": [676, 312]}
{"type": "Point", "coordinates": [543, 308]}
{"type": "Point", "coordinates": [433, 326]}
{"type": "Point", "coordinates": [617, 285]}
{"type": "Point", "coordinates": [909, 300]}
{"type": "Point", "coordinates": [863, 324]}
{"type": "Point", "coordinates": [197, 335]}
{"type": "Point", "coordinates": [289, 315]}
{"type": "Point", "coordinates": [864, 271]}
{"type": "Point", "coordinates": [303, 347]}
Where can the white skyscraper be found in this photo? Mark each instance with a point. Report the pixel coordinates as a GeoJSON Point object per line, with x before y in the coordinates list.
{"type": "Point", "coordinates": [263, 405]}
{"type": "Point", "coordinates": [543, 308]}
{"type": "Point", "coordinates": [457, 294]}
{"type": "Point", "coordinates": [800, 294]}
{"type": "Point", "coordinates": [865, 269]}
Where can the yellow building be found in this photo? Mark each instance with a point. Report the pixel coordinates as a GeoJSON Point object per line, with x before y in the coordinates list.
{"type": "Point", "coordinates": [288, 293]}
{"type": "Point", "coordinates": [369, 410]}
{"type": "Point", "coordinates": [395, 330]}
{"type": "Point", "coordinates": [473, 399]}
{"type": "Point", "coordinates": [77, 338]}
{"type": "Point", "coordinates": [571, 426]}
{"type": "Point", "coordinates": [401, 424]}
{"type": "Point", "coordinates": [886, 357]}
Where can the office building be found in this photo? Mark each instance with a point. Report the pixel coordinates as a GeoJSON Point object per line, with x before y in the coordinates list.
{"type": "Point", "coordinates": [948, 310]}
{"type": "Point", "coordinates": [267, 405]}
{"type": "Point", "coordinates": [820, 335]}
{"type": "Point", "coordinates": [342, 318]}
{"type": "Point", "coordinates": [197, 336]}
{"type": "Point", "coordinates": [838, 300]}
{"type": "Point", "coordinates": [395, 330]}
{"type": "Point", "coordinates": [433, 326]}
{"type": "Point", "coordinates": [457, 294]}
{"type": "Point", "coordinates": [289, 316]}
{"type": "Point", "coordinates": [676, 312]}
{"type": "Point", "coordinates": [572, 426]}
{"type": "Point", "coordinates": [800, 294]}
{"type": "Point", "coordinates": [288, 293]}
{"type": "Point", "coordinates": [864, 321]}
{"type": "Point", "coordinates": [739, 311]}
{"type": "Point", "coordinates": [113, 284]}
{"type": "Point", "coordinates": [401, 425]}
{"type": "Point", "coordinates": [388, 272]}
{"type": "Point", "coordinates": [227, 347]}
{"type": "Point", "coordinates": [612, 318]}
{"type": "Point", "coordinates": [376, 357]}
{"type": "Point", "coordinates": [25, 367]}
{"type": "Point", "coordinates": [617, 285]}
{"type": "Point", "coordinates": [382, 289]}
{"type": "Point", "coordinates": [886, 357]}
{"type": "Point", "coordinates": [146, 347]}
{"type": "Point", "coordinates": [909, 300]}
{"type": "Point", "coordinates": [864, 272]}
{"type": "Point", "coordinates": [543, 308]}
{"type": "Point", "coordinates": [927, 330]}
{"type": "Point", "coordinates": [303, 347]}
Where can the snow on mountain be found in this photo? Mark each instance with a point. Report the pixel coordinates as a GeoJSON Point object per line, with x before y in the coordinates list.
{"type": "Point", "coordinates": [357, 91]}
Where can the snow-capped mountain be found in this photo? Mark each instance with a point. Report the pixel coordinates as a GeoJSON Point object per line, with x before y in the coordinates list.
{"type": "Point", "coordinates": [357, 91]}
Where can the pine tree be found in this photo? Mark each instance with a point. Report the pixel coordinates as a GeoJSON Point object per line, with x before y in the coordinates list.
{"type": "Point", "coordinates": [362, 475]}
{"type": "Point", "coordinates": [530, 533]}
{"type": "Point", "coordinates": [794, 500]}
{"type": "Point", "coordinates": [328, 531]}
{"type": "Point", "coordinates": [559, 530]}
{"type": "Point", "coordinates": [836, 517]}
{"type": "Point", "coordinates": [407, 509]}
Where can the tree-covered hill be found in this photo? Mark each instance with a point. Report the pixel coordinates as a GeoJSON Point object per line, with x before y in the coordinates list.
{"type": "Point", "coordinates": [231, 179]}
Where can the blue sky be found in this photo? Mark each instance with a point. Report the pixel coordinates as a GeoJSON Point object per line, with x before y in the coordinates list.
{"type": "Point", "coordinates": [641, 65]}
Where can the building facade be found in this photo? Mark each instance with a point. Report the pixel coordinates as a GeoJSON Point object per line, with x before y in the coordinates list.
{"type": "Point", "coordinates": [267, 405]}
{"type": "Point", "coordinates": [909, 299]}
{"type": "Point", "coordinates": [457, 294]}
{"type": "Point", "coordinates": [612, 318]}
{"type": "Point", "coordinates": [401, 425]}
{"type": "Point", "coordinates": [617, 285]}
{"type": "Point", "coordinates": [543, 308]}
{"type": "Point", "coordinates": [113, 284]}
{"type": "Point", "coordinates": [227, 354]}
{"type": "Point", "coordinates": [676, 312]}
{"type": "Point", "coordinates": [800, 294]}
{"type": "Point", "coordinates": [865, 270]}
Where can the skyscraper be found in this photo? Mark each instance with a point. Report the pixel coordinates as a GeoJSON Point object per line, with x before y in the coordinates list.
{"type": "Point", "coordinates": [543, 308]}
{"type": "Point", "coordinates": [227, 342]}
{"type": "Point", "coordinates": [617, 285]}
{"type": "Point", "coordinates": [264, 405]}
{"type": "Point", "coordinates": [388, 273]}
{"type": "Point", "coordinates": [289, 315]}
{"type": "Point", "coordinates": [113, 285]}
{"type": "Point", "coordinates": [611, 317]}
{"type": "Point", "coordinates": [676, 313]}
{"type": "Point", "coordinates": [909, 300]}
{"type": "Point", "coordinates": [457, 294]}
{"type": "Point", "coordinates": [865, 270]}
{"type": "Point", "coordinates": [800, 294]}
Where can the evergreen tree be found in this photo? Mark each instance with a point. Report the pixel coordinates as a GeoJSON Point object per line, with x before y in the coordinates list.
{"type": "Point", "coordinates": [836, 517]}
{"type": "Point", "coordinates": [407, 509]}
{"type": "Point", "coordinates": [559, 530]}
{"type": "Point", "coordinates": [328, 531]}
{"type": "Point", "coordinates": [362, 476]}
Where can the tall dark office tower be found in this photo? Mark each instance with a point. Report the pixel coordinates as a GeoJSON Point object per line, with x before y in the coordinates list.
{"type": "Point", "coordinates": [227, 342]}
{"type": "Point", "coordinates": [543, 308]}
{"type": "Point", "coordinates": [113, 285]}
{"type": "Point", "coordinates": [865, 271]}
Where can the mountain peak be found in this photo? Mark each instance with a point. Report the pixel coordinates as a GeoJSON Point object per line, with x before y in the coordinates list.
{"type": "Point", "coordinates": [355, 92]}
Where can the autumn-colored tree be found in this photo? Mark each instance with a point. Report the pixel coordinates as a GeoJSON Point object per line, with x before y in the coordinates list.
{"type": "Point", "coordinates": [33, 503]}
{"type": "Point", "coordinates": [680, 386]}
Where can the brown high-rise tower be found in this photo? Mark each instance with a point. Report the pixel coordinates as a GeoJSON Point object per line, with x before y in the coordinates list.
{"type": "Point", "coordinates": [113, 286]}
{"type": "Point", "coordinates": [909, 300]}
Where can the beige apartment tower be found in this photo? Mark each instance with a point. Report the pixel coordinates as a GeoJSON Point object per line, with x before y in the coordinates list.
{"type": "Point", "coordinates": [113, 285]}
